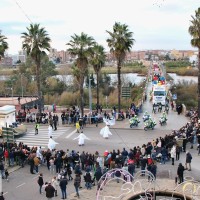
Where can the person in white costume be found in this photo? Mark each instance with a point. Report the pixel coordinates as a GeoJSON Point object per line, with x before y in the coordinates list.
{"type": "Point", "coordinates": [109, 122]}
{"type": "Point", "coordinates": [81, 139]}
{"type": "Point", "coordinates": [51, 144]}
{"type": "Point", "coordinates": [105, 132]}
{"type": "Point", "coordinates": [50, 129]}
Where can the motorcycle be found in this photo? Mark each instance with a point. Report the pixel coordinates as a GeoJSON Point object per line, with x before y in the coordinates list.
{"type": "Point", "coordinates": [145, 117]}
{"type": "Point", "coordinates": [149, 125]}
{"type": "Point", "coordinates": [134, 122]}
{"type": "Point", "coordinates": [163, 120]}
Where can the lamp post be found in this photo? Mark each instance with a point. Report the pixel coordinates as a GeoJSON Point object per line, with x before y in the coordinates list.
{"type": "Point", "coordinates": [90, 95]}
{"type": "Point", "coordinates": [22, 89]}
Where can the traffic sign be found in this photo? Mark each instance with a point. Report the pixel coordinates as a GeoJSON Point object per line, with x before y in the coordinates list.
{"type": "Point", "coordinates": [174, 96]}
{"type": "Point", "coordinates": [8, 134]}
{"type": "Point", "coordinates": [126, 92]}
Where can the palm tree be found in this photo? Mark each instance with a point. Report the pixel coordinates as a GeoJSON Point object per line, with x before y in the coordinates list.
{"type": "Point", "coordinates": [194, 31]}
{"type": "Point", "coordinates": [120, 42]}
{"type": "Point", "coordinates": [81, 47]}
{"type": "Point", "coordinates": [3, 45]}
{"type": "Point", "coordinates": [35, 42]}
{"type": "Point", "coordinates": [98, 61]}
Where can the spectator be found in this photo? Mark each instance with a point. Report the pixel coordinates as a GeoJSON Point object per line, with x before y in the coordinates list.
{"type": "Point", "coordinates": [40, 182]}
{"type": "Point", "coordinates": [188, 161]}
{"type": "Point", "coordinates": [180, 171]}
{"type": "Point", "coordinates": [63, 187]}
{"type": "Point", "coordinates": [50, 190]}
{"type": "Point", "coordinates": [77, 181]}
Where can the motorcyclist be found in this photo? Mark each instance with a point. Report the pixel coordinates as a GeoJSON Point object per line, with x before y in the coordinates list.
{"type": "Point", "coordinates": [149, 122]}
{"type": "Point", "coordinates": [167, 108]}
{"type": "Point", "coordinates": [154, 108]}
{"type": "Point", "coordinates": [146, 116]}
{"type": "Point", "coordinates": [133, 119]}
{"type": "Point", "coordinates": [164, 117]}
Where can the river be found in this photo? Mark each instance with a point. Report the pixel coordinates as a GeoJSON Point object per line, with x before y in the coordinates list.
{"type": "Point", "coordinates": [178, 78]}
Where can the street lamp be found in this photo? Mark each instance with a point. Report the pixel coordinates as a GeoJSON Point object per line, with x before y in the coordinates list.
{"type": "Point", "coordinates": [22, 89]}
{"type": "Point", "coordinates": [90, 95]}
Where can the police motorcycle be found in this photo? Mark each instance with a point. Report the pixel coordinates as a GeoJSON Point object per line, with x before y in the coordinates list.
{"type": "Point", "coordinates": [163, 119]}
{"type": "Point", "coordinates": [134, 121]}
{"type": "Point", "coordinates": [146, 116]}
{"type": "Point", "coordinates": [150, 124]}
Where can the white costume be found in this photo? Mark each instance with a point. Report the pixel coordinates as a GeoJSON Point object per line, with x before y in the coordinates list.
{"type": "Point", "coordinates": [81, 139]}
{"type": "Point", "coordinates": [105, 132]}
{"type": "Point", "coordinates": [109, 122]}
{"type": "Point", "coordinates": [52, 144]}
{"type": "Point", "coordinates": [50, 129]}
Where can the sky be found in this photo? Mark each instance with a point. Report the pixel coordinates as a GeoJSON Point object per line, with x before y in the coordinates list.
{"type": "Point", "coordinates": [156, 24]}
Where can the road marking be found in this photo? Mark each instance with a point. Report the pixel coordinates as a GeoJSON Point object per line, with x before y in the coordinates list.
{"type": "Point", "coordinates": [5, 193]}
{"type": "Point", "coordinates": [68, 136]}
{"type": "Point", "coordinates": [20, 185]}
{"type": "Point", "coordinates": [35, 177]}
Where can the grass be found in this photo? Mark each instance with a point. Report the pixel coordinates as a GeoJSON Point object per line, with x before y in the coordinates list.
{"type": "Point", "coordinates": [183, 71]}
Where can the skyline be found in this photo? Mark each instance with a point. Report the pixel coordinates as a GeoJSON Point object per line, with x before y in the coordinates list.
{"type": "Point", "coordinates": [156, 24]}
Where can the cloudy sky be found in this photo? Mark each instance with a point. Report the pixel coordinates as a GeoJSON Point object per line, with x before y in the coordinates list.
{"type": "Point", "coordinates": [156, 24]}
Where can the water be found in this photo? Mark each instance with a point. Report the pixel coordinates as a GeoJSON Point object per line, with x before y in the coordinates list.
{"type": "Point", "coordinates": [178, 78]}
{"type": "Point", "coordinates": [134, 78]}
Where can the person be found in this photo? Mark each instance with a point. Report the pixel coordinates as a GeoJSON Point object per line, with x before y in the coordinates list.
{"type": "Point", "coordinates": [6, 174]}
{"type": "Point", "coordinates": [51, 144]}
{"type": "Point", "coordinates": [63, 187]}
{"type": "Point", "coordinates": [173, 153]}
{"type": "Point", "coordinates": [36, 128]}
{"type": "Point", "coordinates": [88, 179]}
{"type": "Point", "coordinates": [77, 127]}
{"type": "Point", "coordinates": [1, 196]}
{"type": "Point", "coordinates": [50, 129]}
{"type": "Point", "coordinates": [180, 171]}
{"type": "Point", "coordinates": [40, 182]}
{"type": "Point", "coordinates": [81, 139]}
{"type": "Point", "coordinates": [49, 189]}
{"type": "Point", "coordinates": [188, 161]}
{"type": "Point", "coordinates": [77, 181]}
{"type": "Point", "coordinates": [105, 132]}
{"type": "Point", "coordinates": [55, 185]}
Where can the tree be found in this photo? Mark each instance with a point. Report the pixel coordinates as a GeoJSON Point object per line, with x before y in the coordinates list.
{"type": "Point", "coordinates": [120, 43]}
{"type": "Point", "coordinates": [35, 42]}
{"type": "Point", "coordinates": [81, 47]}
{"type": "Point", "coordinates": [194, 31]}
{"type": "Point", "coordinates": [98, 61]}
{"type": "Point", "coordinates": [3, 45]}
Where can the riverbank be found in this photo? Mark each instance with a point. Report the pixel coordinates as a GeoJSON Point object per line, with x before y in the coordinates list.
{"type": "Point", "coordinates": [183, 71]}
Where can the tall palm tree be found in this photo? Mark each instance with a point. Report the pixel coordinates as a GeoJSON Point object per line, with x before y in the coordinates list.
{"type": "Point", "coordinates": [98, 61]}
{"type": "Point", "coordinates": [194, 31]}
{"type": "Point", "coordinates": [3, 45]}
{"type": "Point", "coordinates": [36, 41]}
{"type": "Point", "coordinates": [81, 47]}
{"type": "Point", "coordinates": [120, 42]}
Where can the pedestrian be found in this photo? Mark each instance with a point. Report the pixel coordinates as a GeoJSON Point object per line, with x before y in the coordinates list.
{"type": "Point", "coordinates": [180, 171]}
{"type": "Point", "coordinates": [173, 153]}
{"type": "Point", "coordinates": [50, 190]}
{"type": "Point", "coordinates": [55, 185]}
{"type": "Point", "coordinates": [36, 128]}
{"type": "Point", "coordinates": [188, 161]}
{"type": "Point", "coordinates": [40, 182]}
{"type": "Point", "coordinates": [63, 187]}
{"type": "Point", "coordinates": [6, 174]}
{"type": "Point", "coordinates": [50, 129]}
{"type": "Point", "coordinates": [77, 181]}
{"type": "Point", "coordinates": [1, 196]}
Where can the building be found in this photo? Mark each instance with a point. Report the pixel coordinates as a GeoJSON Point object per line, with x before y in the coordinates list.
{"type": "Point", "coordinates": [7, 61]}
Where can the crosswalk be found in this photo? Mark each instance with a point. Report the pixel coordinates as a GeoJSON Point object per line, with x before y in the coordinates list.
{"type": "Point", "coordinates": [42, 139]}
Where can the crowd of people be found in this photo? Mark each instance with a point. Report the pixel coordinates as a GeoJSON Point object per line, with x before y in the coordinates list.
{"type": "Point", "coordinates": [74, 166]}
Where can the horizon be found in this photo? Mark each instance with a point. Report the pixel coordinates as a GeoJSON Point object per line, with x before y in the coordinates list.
{"type": "Point", "coordinates": [156, 24]}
